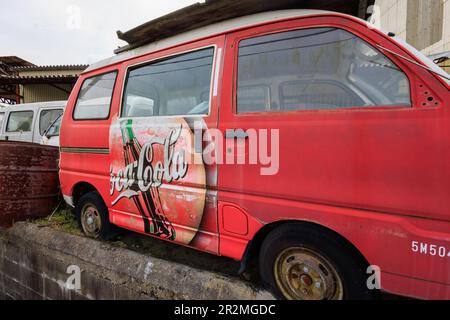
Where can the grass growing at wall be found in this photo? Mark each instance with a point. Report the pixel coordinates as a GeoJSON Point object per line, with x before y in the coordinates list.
{"type": "Point", "coordinates": [62, 219]}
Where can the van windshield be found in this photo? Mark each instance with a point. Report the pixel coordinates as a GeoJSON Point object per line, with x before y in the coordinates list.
{"type": "Point", "coordinates": [54, 128]}
{"type": "Point", "coordinates": [47, 117]}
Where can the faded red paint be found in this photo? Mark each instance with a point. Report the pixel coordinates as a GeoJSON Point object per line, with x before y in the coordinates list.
{"type": "Point", "coordinates": [29, 185]}
{"type": "Point", "coordinates": [382, 195]}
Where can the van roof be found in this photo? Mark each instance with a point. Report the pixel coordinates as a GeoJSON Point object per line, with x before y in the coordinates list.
{"type": "Point", "coordinates": [208, 31]}
{"type": "Point", "coordinates": [193, 16]}
{"type": "Point", "coordinates": [37, 105]}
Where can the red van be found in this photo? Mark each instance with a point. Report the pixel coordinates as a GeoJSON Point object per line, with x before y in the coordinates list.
{"type": "Point", "coordinates": [304, 141]}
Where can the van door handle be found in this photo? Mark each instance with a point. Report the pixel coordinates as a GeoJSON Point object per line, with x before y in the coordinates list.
{"type": "Point", "coordinates": [236, 134]}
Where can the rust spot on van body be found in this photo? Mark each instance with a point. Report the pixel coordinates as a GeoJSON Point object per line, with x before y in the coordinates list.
{"type": "Point", "coordinates": [29, 184]}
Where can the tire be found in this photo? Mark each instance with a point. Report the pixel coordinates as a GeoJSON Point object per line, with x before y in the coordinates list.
{"type": "Point", "coordinates": [93, 217]}
{"type": "Point", "coordinates": [304, 262]}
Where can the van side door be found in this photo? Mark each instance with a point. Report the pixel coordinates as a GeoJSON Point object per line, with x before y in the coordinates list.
{"type": "Point", "coordinates": [356, 127]}
{"type": "Point", "coordinates": [160, 183]}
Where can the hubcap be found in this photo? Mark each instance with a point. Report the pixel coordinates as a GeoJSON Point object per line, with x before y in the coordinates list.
{"type": "Point", "coordinates": [303, 274]}
{"type": "Point", "coordinates": [91, 221]}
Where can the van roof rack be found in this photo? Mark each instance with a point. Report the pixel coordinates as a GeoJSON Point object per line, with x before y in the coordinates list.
{"type": "Point", "coordinates": [212, 11]}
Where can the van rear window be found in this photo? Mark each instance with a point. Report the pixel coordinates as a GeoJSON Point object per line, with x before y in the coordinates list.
{"type": "Point", "coordinates": [177, 86]}
{"type": "Point", "coordinates": [94, 98]}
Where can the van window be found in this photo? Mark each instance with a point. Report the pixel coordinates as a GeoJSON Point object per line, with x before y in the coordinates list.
{"type": "Point", "coordinates": [20, 121]}
{"type": "Point", "coordinates": [2, 116]}
{"type": "Point", "coordinates": [47, 118]}
{"type": "Point", "coordinates": [314, 69]}
{"type": "Point", "coordinates": [94, 99]}
{"type": "Point", "coordinates": [54, 128]}
{"type": "Point", "coordinates": [171, 87]}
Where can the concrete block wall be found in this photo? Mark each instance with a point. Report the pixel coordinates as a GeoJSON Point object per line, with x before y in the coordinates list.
{"type": "Point", "coordinates": [34, 265]}
{"type": "Point", "coordinates": [425, 24]}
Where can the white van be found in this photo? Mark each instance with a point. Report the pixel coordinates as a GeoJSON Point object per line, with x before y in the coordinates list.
{"type": "Point", "coordinates": [29, 122]}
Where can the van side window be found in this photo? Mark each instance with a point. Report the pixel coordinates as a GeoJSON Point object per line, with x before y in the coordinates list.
{"type": "Point", "coordinates": [2, 116]}
{"type": "Point", "coordinates": [54, 128]}
{"type": "Point", "coordinates": [171, 87]}
{"type": "Point", "coordinates": [46, 118]}
{"type": "Point", "coordinates": [314, 69]}
{"type": "Point", "coordinates": [20, 121]}
{"type": "Point", "coordinates": [94, 98]}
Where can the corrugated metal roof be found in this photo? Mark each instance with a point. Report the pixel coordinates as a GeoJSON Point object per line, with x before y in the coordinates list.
{"type": "Point", "coordinates": [38, 79]}
{"type": "Point", "coordinates": [80, 67]}
{"type": "Point", "coordinates": [15, 61]}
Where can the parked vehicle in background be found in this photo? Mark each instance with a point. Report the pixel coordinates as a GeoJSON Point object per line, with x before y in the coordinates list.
{"type": "Point", "coordinates": [28, 122]}
{"type": "Point", "coordinates": [2, 116]}
{"type": "Point", "coordinates": [358, 181]}
{"type": "Point", "coordinates": [3, 107]}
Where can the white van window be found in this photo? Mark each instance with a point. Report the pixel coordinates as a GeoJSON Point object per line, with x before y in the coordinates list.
{"type": "Point", "coordinates": [54, 128]}
{"type": "Point", "coordinates": [94, 99]}
{"type": "Point", "coordinates": [312, 69]}
{"type": "Point", "coordinates": [170, 87]}
{"type": "Point", "coordinates": [20, 121]}
{"type": "Point", "coordinates": [47, 118]}
{"type": "Point", "coordinates": [2, 116]}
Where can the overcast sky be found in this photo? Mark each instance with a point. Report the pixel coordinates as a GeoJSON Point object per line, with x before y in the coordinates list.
{"type": "Point", "coordinates": [73, 31]}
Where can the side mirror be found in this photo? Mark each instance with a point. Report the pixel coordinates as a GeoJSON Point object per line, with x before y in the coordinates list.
{"type": "Point", "coordinates": [48, 136]}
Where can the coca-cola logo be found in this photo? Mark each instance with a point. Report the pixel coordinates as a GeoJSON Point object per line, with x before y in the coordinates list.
{"type": "Point", "coordinates": [148, 172]}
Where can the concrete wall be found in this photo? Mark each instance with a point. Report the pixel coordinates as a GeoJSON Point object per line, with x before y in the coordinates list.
{"type": "Point", "coordinates": [34, 263]}
{"type": "Point", "coordinates": [423, 23]}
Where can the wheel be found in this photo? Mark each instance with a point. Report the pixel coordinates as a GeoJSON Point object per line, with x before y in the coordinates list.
{"type": "Point", "coordinates": [93, 217]}
{"type": "Point", "coordinates": [302, 262]}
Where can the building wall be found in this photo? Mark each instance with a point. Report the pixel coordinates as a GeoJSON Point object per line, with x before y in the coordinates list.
{"type": "Point", "coordinates": [46, 92]}
{"type": "Point", "coordinates": [425, 24]}
{"type": "Point", "coordinates": [43, 92]}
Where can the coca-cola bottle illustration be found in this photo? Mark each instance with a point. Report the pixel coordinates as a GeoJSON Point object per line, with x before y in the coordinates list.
{"type": "Point", "coordinates": [148, 203]}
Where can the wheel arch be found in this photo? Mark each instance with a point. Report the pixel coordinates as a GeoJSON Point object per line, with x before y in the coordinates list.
{"type": "Point", "coordinates": [253, 248]}
{"type": "Point", "coordinates": [80, 189]}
